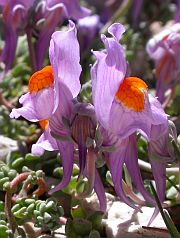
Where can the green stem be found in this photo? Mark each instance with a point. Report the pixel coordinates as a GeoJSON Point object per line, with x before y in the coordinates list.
{"type": "Point", "coordinates": [174, 185]}
{"type": "Point", "coordinates": [147, 167]}
{"type": "Point", "coordinates": [4, 102]}
{"type": "Point", "coordinates": [167, 220]}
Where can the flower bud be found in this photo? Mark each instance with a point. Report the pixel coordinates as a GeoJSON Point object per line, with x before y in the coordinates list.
{"type": "Point", "coordinates": [83, 127]}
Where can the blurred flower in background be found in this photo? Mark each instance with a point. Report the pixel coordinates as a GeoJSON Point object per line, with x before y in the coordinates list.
{"type": "Point", "coordinates": [15, 16]}
{"type": "Point", "coordinates": [38, 20]}
{"type": "Point", "coordinates": [164, 49]}
{"type": "Point", "coordinates": [88, 27]}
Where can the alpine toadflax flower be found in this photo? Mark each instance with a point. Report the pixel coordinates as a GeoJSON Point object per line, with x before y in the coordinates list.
{"type": "Point", "coordinates": [41, 100]}
{"type": "Point", "coordinates": [51, 86]}
{"type": "Point", "coordinates": [67, 124]}
{"type": "Point", "coordinates": [164, 49]}
{"type": "Point", "coordinates": [123, 108]}
{"type": "Point", "coordinates": [122, 103]}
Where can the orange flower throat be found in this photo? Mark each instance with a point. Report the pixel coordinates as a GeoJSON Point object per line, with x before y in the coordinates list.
{"type": "Point", "coordinates": [130, 93]}
{"type": "Point", "coordinates": [43, 124]}
{"type": "Point", "coordinates": [41, 79]}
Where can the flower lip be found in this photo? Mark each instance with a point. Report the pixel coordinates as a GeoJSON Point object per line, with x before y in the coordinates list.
{"type": "Point", "coordinates": [41, 79]}
{"type": "Point", "coordinates": [131, 93]}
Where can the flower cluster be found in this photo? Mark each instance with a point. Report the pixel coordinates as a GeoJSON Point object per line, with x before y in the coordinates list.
{"type": "Point", "coordinates": [122, 109]}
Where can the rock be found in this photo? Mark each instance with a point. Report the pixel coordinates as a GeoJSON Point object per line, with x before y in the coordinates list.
{"type": "Point", "coordinates": [7, 145]}
{"type": "Point", "coordinates": [91, 203]}
{"type": "Point", "coordinates": [124, 221]}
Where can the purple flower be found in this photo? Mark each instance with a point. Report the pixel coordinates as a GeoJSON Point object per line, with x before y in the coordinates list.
{"type": "Point", "coordinates": [73, 9]}
{"type": "Point", "coordinates": [124, 107]}
{"type": "Point", "coordinates": [122, 104]}
{"type": "Point", "coordinates": [161, 152]}
{"type": "Point", "coordinates": [72, 130]}
{"type": "Point", "coordinates": [164, 49]}
{"type": "Point", "coordinates": [14, 17]}
{"type": "Point", "coordinates": [88, 28]}
{"type": "Point", "coordinates": [44, 84]}
{"type": "Point", "coordinates": [27, 17]}
{"type": "Point", "coordinates": [53, 86]}
{"type": "Point", "coordinates": [67, 124]}
{"type": "Point", "coordinates": [54, 12]}
{"type": "Point", "coordinates": [177, 15]}
{"type": "Point", "coordinates": [137, 9]}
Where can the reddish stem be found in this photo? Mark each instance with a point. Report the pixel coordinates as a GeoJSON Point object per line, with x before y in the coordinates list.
{"type": "Point", "coordinates": [42, 187]}
{"type": "Point", "coordinates": [9, 215]}
{"type": "Point", "coordinates": [17, 180]}
{"type": "Point", "coordinates": [4, 102]}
